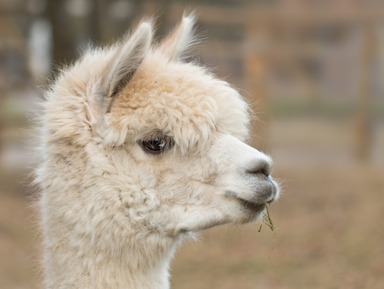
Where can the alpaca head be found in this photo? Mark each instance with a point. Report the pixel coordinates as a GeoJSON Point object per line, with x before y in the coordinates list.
{"type": "Point", "coordinates": [178, 133]}
{"type": "Point", "coordinates": [161, 140]}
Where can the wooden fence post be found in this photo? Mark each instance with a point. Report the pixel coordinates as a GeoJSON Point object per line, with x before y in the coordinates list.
{"type": "Point", "coordinates": [255, 69]}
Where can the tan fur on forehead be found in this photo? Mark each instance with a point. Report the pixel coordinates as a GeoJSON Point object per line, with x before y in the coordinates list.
{"type": "Point", "coordinates": [180, 99]}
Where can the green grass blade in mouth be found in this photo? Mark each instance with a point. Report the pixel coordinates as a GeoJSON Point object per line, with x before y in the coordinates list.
{"type": "Point", "coordinates": [268, 220]}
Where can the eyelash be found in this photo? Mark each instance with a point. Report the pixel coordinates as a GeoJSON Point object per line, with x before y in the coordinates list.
{"type": "Point", "coordinates": [157, 145]}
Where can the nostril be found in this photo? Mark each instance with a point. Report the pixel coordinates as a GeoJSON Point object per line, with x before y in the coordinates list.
{"type": "Point", "coordinates": [262, 172]}
{"type": "Point", "coordinates": [260, 168]}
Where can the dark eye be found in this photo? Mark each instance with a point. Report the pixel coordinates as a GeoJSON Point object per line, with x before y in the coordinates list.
{"type": "Point", "coordinates": [156, 145]}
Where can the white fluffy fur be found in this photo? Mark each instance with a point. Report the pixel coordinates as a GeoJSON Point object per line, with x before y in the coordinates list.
{"type": "Point", "coordinates": [111, 213]}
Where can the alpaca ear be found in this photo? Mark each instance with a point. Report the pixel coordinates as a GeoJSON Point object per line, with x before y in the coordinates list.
{"type": "Point", "coordinates": [175, 44]}
{"type": "Point", "coordinates": [126, 61]}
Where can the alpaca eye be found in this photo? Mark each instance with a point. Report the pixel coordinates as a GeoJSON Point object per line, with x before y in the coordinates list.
{"type": "Point", "coordinates": [156, 145]}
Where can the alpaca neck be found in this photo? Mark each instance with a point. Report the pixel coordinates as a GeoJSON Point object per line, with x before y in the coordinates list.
{"type": "Point", "coordinates": [142, 265]}
{"type": "Point", "coordinates": [123, 274]}
{"type": "Point", "coordinates": [137, 274]}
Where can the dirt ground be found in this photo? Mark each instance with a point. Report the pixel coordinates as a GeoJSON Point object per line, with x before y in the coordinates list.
{"type": "Point", "coordinates": [329, 236]}
{"type": "Point", "coordinates": [329, 232]}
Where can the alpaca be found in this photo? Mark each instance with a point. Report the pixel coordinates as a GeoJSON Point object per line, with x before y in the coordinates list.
{"type": "Point", "coordinates": [140, 150]}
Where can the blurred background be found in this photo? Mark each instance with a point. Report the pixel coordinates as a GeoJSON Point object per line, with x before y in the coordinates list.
{"type": "Point", "coordinates": [313, 73]}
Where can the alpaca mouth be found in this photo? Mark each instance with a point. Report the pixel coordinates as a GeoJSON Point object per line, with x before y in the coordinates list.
{"type": "Point", "coordinates": [248, 204]}
{"type": "Point", "coordinates": [254, 207]}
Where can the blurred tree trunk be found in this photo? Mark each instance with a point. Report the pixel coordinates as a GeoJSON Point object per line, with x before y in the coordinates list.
{"type": "Point", "coordinates": [363, 119]}
{"type": "Point", "coordinates": [1, 125]}
{"type": "Point", "coordinates": [61, 46]}
{"type": "Point", "coordinates": [99, 7]}
{"type": "Point", "coordinates": [72, 33]}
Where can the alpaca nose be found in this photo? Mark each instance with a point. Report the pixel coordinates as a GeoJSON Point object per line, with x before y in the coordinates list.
{"type": "Point", "coordinates": [260, 167]}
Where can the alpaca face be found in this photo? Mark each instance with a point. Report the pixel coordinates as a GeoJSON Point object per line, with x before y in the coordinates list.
{"type": "Point", "coordinates": [178, 133]}
{"type": "Point", "coordinates": [227, 181]}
